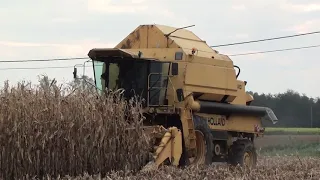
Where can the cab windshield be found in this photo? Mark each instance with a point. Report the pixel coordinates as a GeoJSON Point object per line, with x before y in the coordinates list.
{"type": "Point", "coordinates": [135, 76]}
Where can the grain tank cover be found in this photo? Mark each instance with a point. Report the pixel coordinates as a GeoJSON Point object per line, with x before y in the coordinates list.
{"type": "Point", "coordinates": [158, 36]}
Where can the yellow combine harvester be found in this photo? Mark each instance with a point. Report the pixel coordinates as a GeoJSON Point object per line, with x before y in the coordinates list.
{"type": "Point", "coordinates": [195, 104]}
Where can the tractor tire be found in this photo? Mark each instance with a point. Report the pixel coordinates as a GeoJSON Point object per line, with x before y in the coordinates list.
{"type": "Point", "coordinates": [202, 127]}
{"type": "Point", "coordinates": [184, 156]}
{"type": "Point", "coordinates": [242, 152]}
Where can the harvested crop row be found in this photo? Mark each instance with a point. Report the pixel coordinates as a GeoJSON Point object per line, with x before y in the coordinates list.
{"type": "Point", "coordinates": [45, 131]}
{"type": "Point", "coordinates": [284, 168]}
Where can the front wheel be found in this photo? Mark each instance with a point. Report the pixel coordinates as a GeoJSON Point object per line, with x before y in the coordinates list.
{"type": "Point", "coordinates": [242, 152]}
{"type": "Point", "coordinates": [204, 142]}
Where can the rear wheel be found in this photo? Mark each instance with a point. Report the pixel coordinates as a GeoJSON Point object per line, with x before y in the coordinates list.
{"type": "Point", "coordinates": [242, 152]}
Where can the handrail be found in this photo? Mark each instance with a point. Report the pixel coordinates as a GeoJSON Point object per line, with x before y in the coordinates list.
{"type": "Point", "coordinates": [165, 88]}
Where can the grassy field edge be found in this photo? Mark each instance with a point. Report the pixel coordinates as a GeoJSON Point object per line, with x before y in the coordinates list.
{"type": "Point", "coordinates": [292, 131]}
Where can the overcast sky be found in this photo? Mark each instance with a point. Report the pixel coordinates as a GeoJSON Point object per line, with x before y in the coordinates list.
{"type": "Point", "coordinates": [38, 29]}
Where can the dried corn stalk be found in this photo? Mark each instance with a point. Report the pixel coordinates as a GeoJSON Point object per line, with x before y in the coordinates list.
{"type": "Point", "coordinates": [44, 131]}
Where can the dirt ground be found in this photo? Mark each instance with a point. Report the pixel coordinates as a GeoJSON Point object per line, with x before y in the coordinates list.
{"type": "Point", "coordinates": [273, 140]}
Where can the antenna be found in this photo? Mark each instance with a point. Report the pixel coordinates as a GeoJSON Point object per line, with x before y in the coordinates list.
{"type": "Point", "coordinates": [167, 35]}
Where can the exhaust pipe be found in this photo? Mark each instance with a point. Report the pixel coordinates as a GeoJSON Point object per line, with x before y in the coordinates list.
{"type": "Point", "coordinates": [230, 109]}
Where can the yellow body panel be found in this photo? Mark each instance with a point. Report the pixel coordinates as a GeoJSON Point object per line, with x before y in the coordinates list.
{"type": "Point", "coordinates": [207, 79]}
{"type": "Point", "coordinates": [204, 71]}
{"type": "Point", "coordinates": [241, 95]}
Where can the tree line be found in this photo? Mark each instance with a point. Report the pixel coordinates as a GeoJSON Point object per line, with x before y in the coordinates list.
{"type": "Point", "coordinates": [292, 108]}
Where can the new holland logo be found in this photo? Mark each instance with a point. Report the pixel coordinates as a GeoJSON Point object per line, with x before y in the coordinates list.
{"type": "Point", "coordinates": [217, 121]}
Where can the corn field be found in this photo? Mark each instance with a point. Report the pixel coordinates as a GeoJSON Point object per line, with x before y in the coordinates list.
{"type": "Point", "coordinates": [45, 131]}
{"type": "Point", "coordinates": [50, 132]}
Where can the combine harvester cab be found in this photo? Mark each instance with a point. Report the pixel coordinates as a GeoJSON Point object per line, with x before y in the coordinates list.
{"type": "Point", "coordinates": [195, 106]}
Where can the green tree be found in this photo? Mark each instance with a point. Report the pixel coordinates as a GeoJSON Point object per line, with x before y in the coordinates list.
{"type": "Point", "coordinates": [291, 108]}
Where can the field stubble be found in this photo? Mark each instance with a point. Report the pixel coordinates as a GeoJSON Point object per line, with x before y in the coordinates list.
{"type": "Point", "coordinates": [284, 168]}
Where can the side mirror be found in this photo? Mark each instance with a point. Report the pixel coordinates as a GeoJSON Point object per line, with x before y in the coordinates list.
{"type": "Point", "coordinates": [74, 72]}
{"type": "Point", "coordinates": [174, 69]}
